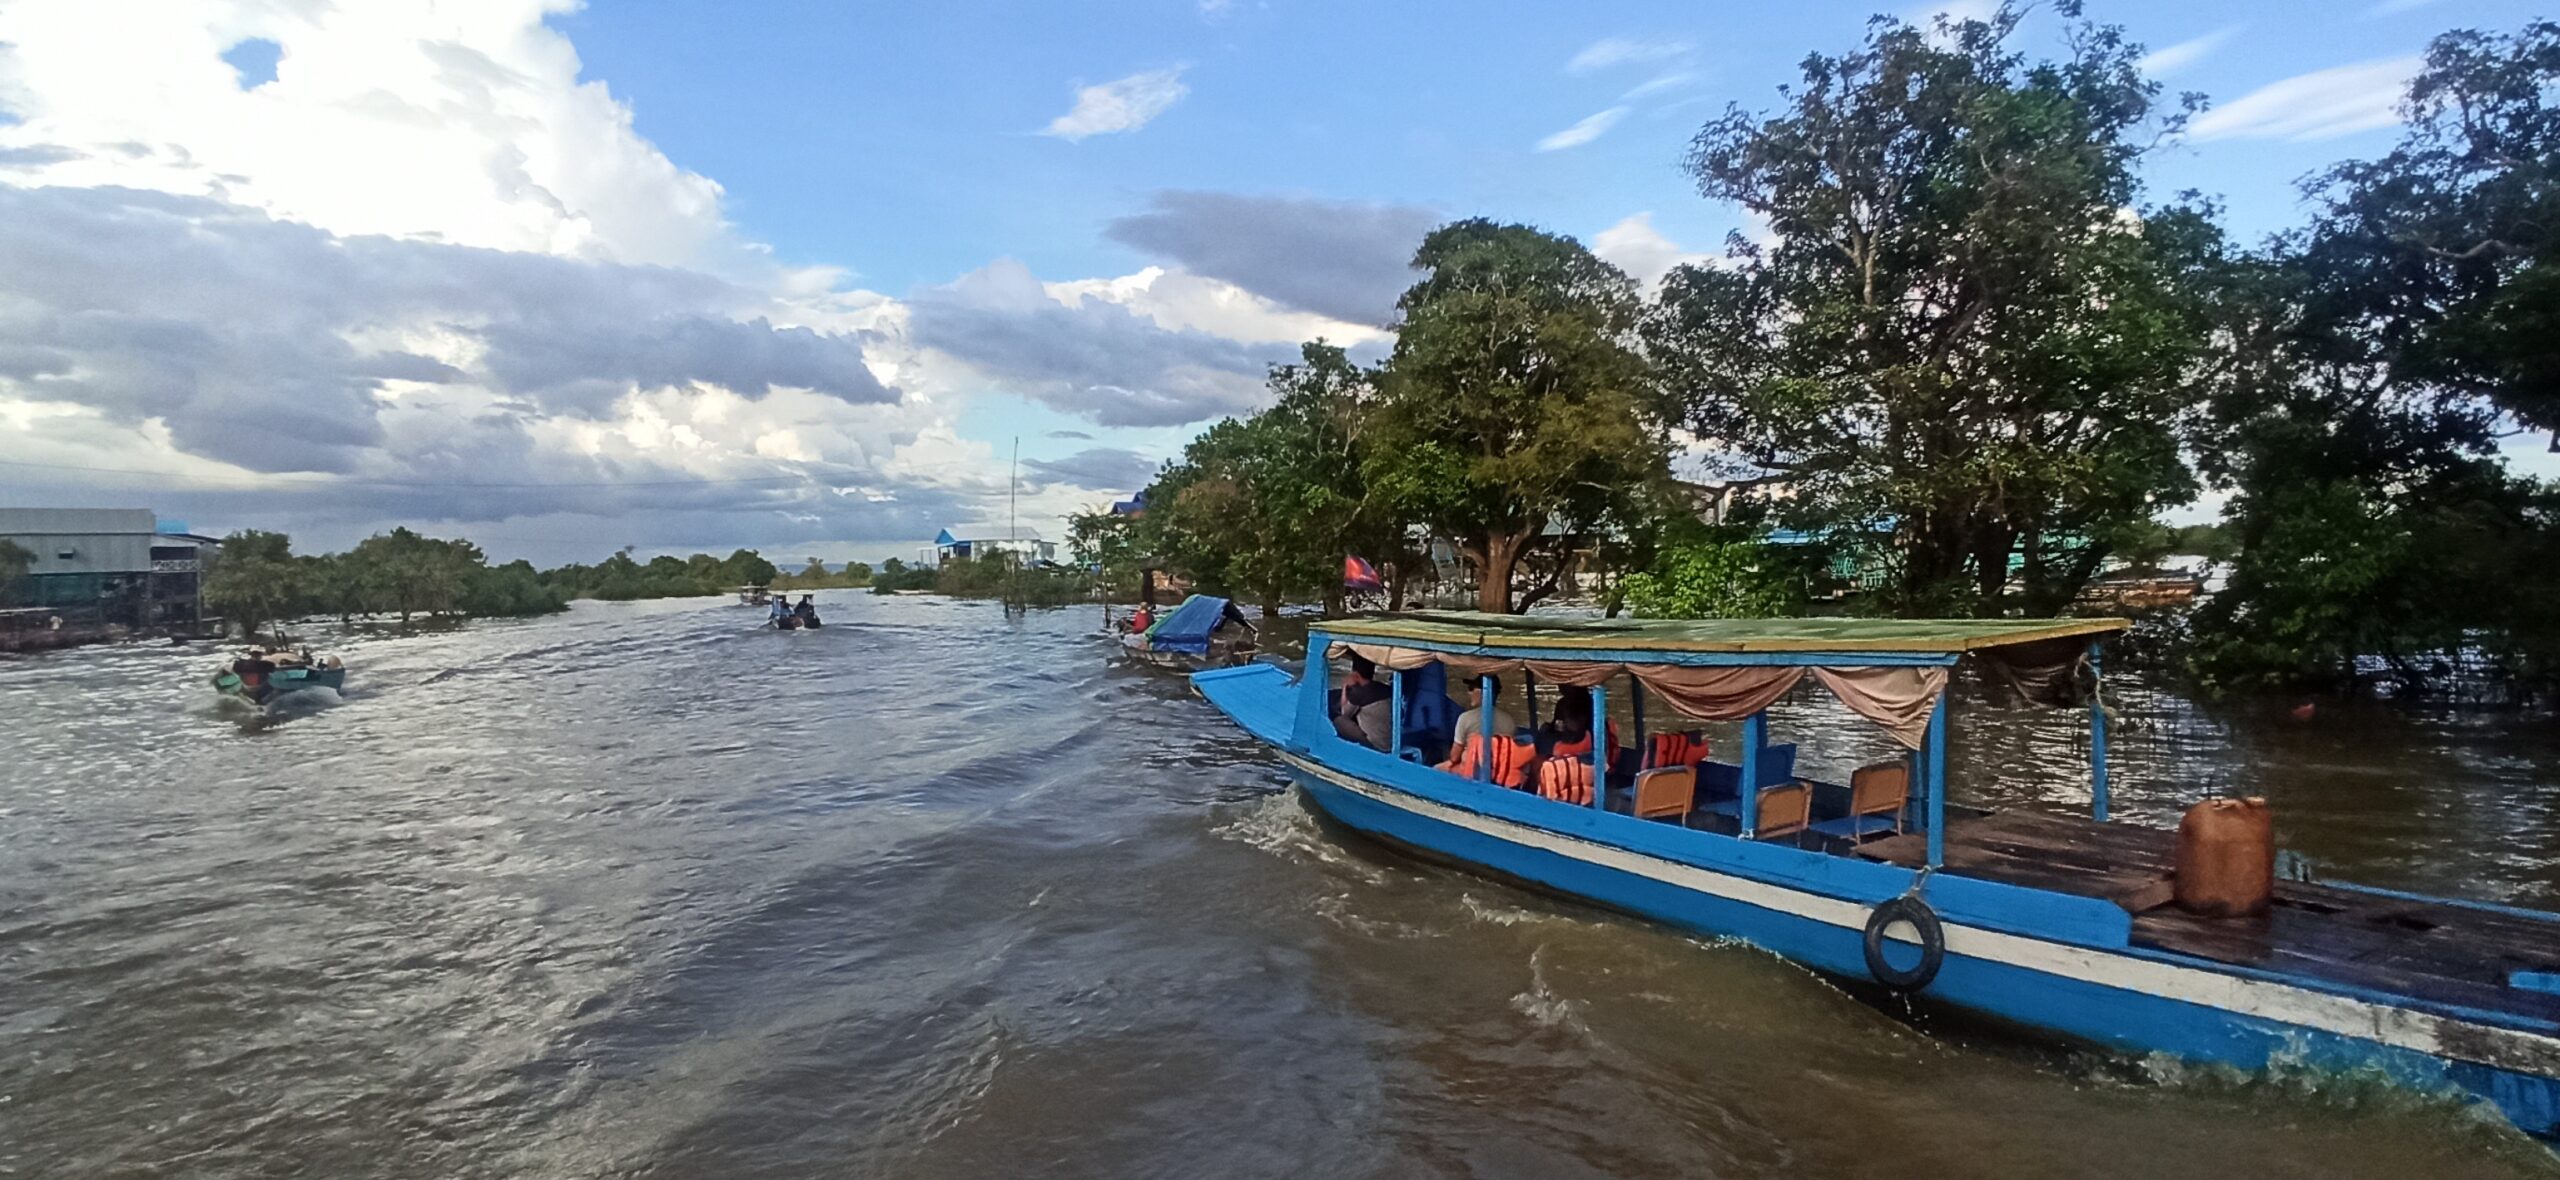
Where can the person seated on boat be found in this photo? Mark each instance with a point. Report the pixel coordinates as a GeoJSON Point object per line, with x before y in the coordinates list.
{"type": "Point", "coordinates": [1361, 709]}
{"type": "Point", "coordinates": [778, 609]}
{"type": "Point", "coordinates": [253, 670]}
{"type": "Point", "coordinates": [807, 611]}
{"type": "Point", "coordinates": [1471, 717]}
{"type": "Point", "coordinates": [1145, 618]}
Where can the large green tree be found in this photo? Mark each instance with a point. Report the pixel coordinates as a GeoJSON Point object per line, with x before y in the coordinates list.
{"type": "Point", "coordinates": [255, 580]}
{"type": "Point", "coordinates": [1963, 332]}
{"type": "Point", "coordinates": [1266, 507]}
{"type": "Point", "coordinates": [2447, 250]}
{"type": "Point", "coordinates": [2362, 386]}
{"type": "Point", "coordinates": [1516, 400]}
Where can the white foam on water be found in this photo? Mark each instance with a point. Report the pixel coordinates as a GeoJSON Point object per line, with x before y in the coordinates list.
{"type": "Point", "coordinates": [1541, 1003]}
{"type": "Point", "coordinates": [1277, 824]}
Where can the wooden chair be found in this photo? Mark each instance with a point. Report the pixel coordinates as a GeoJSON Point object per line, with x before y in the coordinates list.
{"type": "Point", "coordinates": [1784, 811]}
{"type": "Point", "coordinates": [1667, 793]}
{"type": "Point", "coordinates": [1877, 795]}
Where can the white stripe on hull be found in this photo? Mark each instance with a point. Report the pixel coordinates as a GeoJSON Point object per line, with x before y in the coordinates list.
{"type": "Point", "coordinates": [2422, 1032]}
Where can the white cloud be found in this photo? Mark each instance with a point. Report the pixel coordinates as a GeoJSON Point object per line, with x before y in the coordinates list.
{"type": "Point", "coordinates": [1636, 247]}
{"type": "Point", "coordinates": [463, 122]}
{"type": "Point", "coordinates": [2396, 7]}
{"type": "Point", "coordinates": [1123, 105]}
{"type": "Point", "coordinates": [1661, 83]}
{"type": "Point", "coordinates": [2171, 59]}
{"type": "Point", "coordinates": [1618, 51]}
{"type": "Point", "coordinates": [1583, 132]}
{"type": "Point", "coordinates": [2322, 104]}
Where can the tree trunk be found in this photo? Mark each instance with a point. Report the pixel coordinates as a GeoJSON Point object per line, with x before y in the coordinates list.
{"type": "Point", "coordinates": [1501, 557]}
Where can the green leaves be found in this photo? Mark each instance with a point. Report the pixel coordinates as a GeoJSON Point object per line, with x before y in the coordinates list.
{"type": "Point", "coordinates": [1714, 580]}
{"type": "Point", "coordinates": [1964, 333]}
{"type": "Point", "coordinates": [1516, 398]}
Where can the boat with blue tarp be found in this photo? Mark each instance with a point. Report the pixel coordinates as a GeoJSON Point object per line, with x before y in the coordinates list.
{"type": "Point", "coordinates": [2106, 932]}
{"type": "Point", "coordinates": [1205, 631]}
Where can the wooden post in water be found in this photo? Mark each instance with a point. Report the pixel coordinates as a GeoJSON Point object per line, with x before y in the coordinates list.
{"type": "Point", "coordinates": [1600, 746]}
{"type": "Point", "coordinates": [1755, 734]}
{"type": "Point", "coordinates": [2097, 738]}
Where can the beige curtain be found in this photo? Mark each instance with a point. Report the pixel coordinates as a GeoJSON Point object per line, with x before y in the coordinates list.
{"type": "Point", "coordinates": [1720, 693]}
{"type": "Point", "coordinates": [1898, 698]}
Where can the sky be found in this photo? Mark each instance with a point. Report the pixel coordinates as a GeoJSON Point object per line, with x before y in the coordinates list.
{"type": "Point", "coordinates": [824, 279]}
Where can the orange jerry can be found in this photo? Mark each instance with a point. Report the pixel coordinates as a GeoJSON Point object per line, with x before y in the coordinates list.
{"type": "Point", "coordinates": [2226, 858]}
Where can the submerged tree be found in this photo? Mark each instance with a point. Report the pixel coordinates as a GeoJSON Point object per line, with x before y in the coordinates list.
{"type": "Point", "coordinates": [255, 580]}
{"type": "Point", "coordinates": [2447, 250]}
{"type": "Point", "coordinates": [1963, 334]}
{"type": "Point", "coordinates": [2369, 366]}
{"type": "Point", "coordinates": [1516, 400]}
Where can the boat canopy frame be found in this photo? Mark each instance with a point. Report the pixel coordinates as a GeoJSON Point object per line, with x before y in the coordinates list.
{"type": "Point", "coordinates": [1892, 671]}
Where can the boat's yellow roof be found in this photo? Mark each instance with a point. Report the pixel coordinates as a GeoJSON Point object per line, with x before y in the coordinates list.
{"type": "Point", "coordinates": [1911, 636]}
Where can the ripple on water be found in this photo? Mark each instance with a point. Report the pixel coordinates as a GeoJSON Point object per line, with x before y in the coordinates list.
{"type": "Point", "coordinates": [644, 889]}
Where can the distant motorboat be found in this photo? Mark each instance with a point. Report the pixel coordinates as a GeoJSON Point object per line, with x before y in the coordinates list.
{"type": "Point", "coordinates": [287, 672]}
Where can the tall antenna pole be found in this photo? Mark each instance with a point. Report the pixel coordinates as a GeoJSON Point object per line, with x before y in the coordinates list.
{"type": "Point", "coordinates": [1012, 494]}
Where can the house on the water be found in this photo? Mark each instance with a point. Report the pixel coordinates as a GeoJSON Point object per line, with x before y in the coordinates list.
{"type": "Point", "coordinates": [1025, 545]}
{"type": "Point", "coordinates": [109, 565]}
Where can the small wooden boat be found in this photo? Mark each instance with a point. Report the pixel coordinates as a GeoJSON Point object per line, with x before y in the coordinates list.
{"type": "Point", "coordinates": [289, 672]}
{"type": "Point", "coordinates": [754, 596]}
{"type": "Point", "coordinates": [2073, 925]}
{"type": "Point", "coordinates": [1204, 632]}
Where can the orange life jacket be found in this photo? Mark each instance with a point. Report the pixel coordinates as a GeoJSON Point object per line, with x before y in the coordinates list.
{"type": "Point", "coordinates": [1511, 758]}
{"type": "Point", "coordinates": [1676, 749]}
{"type": "Point", "coordinates": [1581, 747]}
{"type": "Point", "coordinates": [1565, 780]}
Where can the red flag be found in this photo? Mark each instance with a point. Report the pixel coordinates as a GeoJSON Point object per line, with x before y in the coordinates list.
{"type": "Point", "coordinates": [1356, 575]}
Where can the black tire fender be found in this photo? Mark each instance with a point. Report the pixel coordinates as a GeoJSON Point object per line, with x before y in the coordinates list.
{"type": "Point", "coordinates": [1933, 943]}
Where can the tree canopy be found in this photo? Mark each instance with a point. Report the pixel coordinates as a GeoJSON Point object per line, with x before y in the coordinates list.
{"type": "Point", "coordinates": [1516, 409]}
{"type": "Point", "coordinates": [1966, 337]}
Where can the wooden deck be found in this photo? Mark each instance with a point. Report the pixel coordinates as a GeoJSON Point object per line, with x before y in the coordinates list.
{"type": "Point", "coordinates": [2445, 953]}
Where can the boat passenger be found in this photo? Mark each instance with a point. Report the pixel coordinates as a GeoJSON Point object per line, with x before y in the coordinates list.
{"type": "Point", "coordinates": [778, 609]}
{"type": "Point", "coordinates": [1362, 707]}
{"type": "Point", "coordinates": [1471, 693]}
{"type": "Point", "coordinates": [807, 611]}
{"type": "Point", "coordinates": [253, 669]}
{"type": "Point", "coordinates": [1145, 618]}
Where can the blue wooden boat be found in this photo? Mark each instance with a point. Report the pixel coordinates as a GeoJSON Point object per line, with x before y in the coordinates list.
{"type": "Point", "coordinates": [2061, 923]}
{"type": "Point", "coordinates": [287, 678]}
{"type": "Point", "coordinates": [1204, 632]}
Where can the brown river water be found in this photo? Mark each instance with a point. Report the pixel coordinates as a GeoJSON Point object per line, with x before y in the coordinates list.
{"type": "Point", "coordinates": [644, 891]}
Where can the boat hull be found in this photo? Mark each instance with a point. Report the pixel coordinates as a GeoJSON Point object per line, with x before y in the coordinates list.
{"type": "Point", "coordinates": [2128, 999]}
{"type": "Point", "coordinates": [282, 681]}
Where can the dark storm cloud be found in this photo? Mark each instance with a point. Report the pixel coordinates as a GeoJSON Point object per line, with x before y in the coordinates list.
{"type": "Point", "coordinates": [1070, 434]}
{"type": "Point", "coordinates": [1345, 259]}
{"type": "Point", "coordinates": [590, 363]}
{"type": "Point", "coordinates": [240, 331]}
{"type": "Point", "coordinates": [1099, 468]}
{"type": "Point", "coordinates": [1096, 359]}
